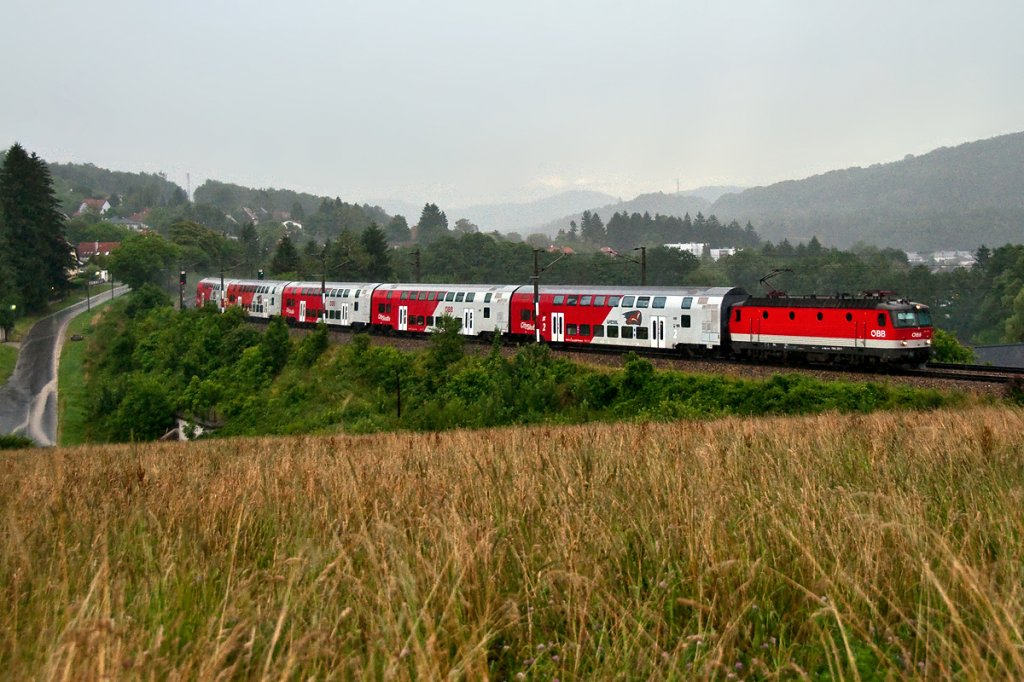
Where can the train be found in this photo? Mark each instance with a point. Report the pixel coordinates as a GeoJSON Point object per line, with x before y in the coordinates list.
{"type": "Point", "coordinates": [873, 327]}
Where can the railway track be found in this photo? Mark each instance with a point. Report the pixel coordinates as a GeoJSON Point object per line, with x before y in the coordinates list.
{"type": "Point", "coordinates": [932, 374]}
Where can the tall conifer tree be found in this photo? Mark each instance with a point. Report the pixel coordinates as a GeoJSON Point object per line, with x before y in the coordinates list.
{"type": "Point", "coordinates": [32, 232]}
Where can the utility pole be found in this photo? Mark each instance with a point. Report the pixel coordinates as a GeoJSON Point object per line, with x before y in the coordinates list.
{"type": "Point", "coordinates": [536, 289]}
{"type": "Point", "coordinates": [643, 264]}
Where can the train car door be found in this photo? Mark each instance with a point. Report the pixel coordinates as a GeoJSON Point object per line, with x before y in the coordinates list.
{"type": "Point", "coordinates": [403, 318]}
{"type": "Point", "coordinates": [302, 311]}
{"type": "Point", "coordinates": [467, 321]}
{"type": "Point", "coordinates": [558, 327]}
{"type": "Point", "coordinates": [658, 332]}
{"type": "Point", "coordinates": [709, 326]}
{"type": "Point", "coordinates": [344, 314]}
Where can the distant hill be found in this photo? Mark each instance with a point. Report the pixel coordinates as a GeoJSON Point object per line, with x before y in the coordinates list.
{"type": "Point", "coordinates": [73, 182]}
{"type": "Point", "coordinates": [950, 198]}
{"type": "Point", "coordinates": [524, 217]}
{"type": "Point", "coordinates": [676, 205]}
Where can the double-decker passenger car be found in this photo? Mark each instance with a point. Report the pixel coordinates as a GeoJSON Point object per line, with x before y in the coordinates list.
{"type": "Point", "coordinates": [482, 309]}
{"type": "Point", "coordinates": [693, 319]}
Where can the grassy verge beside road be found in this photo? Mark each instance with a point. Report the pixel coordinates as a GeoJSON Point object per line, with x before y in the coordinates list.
{"type": "Point", "coordinates": [72, 397]}
{"type": "Point", "coordinates": [8, 358]}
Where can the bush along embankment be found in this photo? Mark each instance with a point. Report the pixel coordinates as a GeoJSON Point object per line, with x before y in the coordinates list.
{"type": "Point", "coordinates": [149, 362]}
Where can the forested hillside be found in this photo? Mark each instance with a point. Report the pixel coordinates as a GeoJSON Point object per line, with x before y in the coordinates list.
{"type": "Point", "coordinates": [129, 192]}
{"type": "Point", "coordinates": [951, 198]}
{"type": "Point", "coordinates": [656, 203]}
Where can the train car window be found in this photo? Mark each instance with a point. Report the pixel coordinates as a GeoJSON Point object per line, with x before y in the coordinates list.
{"type": "Point", "coordinates": [613, 301]}
{"type": "Point", "coordinates": [356, 306]}
{"type": "Point", "coordinates": [430, 320]}
{"type": "Point", "coordinates": [739, 313]}
{"type": "Point", "coordinates": [627, 332]}
{"type": "Point", "coordinates": [684, 321]}
{"type": "Point", "coordinates": [487, 298]}
{"type": "Point", "coordinates": [420, 320]}
{"type": "Point", "coordinates": [559, 300]}
{"type": "Point", "coordinates": [525, 315]}
{"type": "Point", "coordinates": [598, 331]}
{"type": "Point", "coordinates": [404, 296]}
{"type": "Point", "coordinates": [584, 330]}
{"type": "Point", "coordinates": [688, 301]}
{"type": "Point", "coordinates": [290, 302]}
{"type": "Point", "coordinates": [358, 292]}
{"type": "Point", "coordinates": [470, 296]}
{"type": "Point", "coordinates": [381, 308]}
{"type": "Point", "coordinates": [643, 301]}
{"type": "Point", "coordinates": [820, 316]}
{"type": "Point", "coordinates": [571, 330]}
{"type": "Point", "coordinates": [599, 300]}
{"type": "Point", "coordinates": [849, 317]}
{"type": "Point", "coordinates": [487, 313]}
{"type": "Point", "coordinates": [659, 302]}
{"type": "Point", "coordinates": [449, 296]}
{"type": "Point", "coordinates": [431, 296]}
{"type": "Point", "coordinates": [627, 301]}
{"type": "Point", "coordinates": [792, 315]}
{"type": "Point", "coordinates": [881, 319]}
{"type": "Point", "coordinates": [641, 332]}
{"type": "Point", "coordinates": [460, 297]}
{"type": "Point", "coordinates": [613, 331]}
{"type": "Point", "coordinates": [585, 300]}
{"type": "Point", "coordinates": [422, 296]}
{"type": "Point", "coordinates": [572, 300]}
{"type": "Point", "coordinates": [389, 294]}
{"type": "Point", "coordinates": [764, 314]}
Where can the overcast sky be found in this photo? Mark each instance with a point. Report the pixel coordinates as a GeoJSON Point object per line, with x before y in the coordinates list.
{"type": "Point", "coordinates": [468, 101]}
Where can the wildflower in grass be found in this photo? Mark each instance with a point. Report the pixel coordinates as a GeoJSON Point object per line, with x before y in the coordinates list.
{"type": "Point", "coordinates": [738, 666]}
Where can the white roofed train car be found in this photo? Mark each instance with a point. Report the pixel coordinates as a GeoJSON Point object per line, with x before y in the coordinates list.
{"type": "Point", "coordinates": [482, 309]}
{"type": "Point", "coordinates": [688, 318]}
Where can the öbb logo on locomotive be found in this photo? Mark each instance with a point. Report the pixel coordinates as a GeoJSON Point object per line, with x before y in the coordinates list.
{"type": "Point", "coordinates": [875, 327]}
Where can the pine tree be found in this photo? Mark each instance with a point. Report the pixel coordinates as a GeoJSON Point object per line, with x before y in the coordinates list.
{"type": "Point", "coordinates": [286, 258]}
{"type": "Point", "coordinates": [375, 244]}
{"type": "Point", "coordinates": [432, 226]}
{"type": "Point", "coordinates": [32, 232]}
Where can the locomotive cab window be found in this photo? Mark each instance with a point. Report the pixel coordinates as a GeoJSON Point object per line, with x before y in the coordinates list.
{"type": "Point", "coordinates": [739, 313]}
{"type": "Point", "coordinates": [881, 319]}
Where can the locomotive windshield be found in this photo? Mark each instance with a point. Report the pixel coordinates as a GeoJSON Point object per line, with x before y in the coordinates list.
{"type": "Point", "coordinates": [920, 317]}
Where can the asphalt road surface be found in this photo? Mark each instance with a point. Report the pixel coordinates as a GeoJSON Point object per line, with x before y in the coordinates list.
{"type": "Point", "coordinates": [28, 401]}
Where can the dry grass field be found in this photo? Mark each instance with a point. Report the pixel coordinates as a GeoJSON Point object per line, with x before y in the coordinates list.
{"type": "Point", "coordinates": [846, 547]}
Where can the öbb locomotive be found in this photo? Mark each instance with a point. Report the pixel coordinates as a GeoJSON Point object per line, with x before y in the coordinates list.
{"type": "Point", "coordinates": [873, 327]}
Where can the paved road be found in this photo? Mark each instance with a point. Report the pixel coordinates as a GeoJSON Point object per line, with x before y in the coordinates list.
{"type": "Point", "coordinates": [28, 401]}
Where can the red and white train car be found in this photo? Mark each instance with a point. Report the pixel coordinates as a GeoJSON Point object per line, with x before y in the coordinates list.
{"type": "Point", "coordinates": [873, 326]}
{"type": "Point", "coordinates": [694, 319]}
{"type": "Point", "coordinates": [482, 309]}
{"type": "Point", "coordinates": [348, 304]}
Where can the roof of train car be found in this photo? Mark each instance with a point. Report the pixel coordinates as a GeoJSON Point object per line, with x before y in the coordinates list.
{"type": "Point", "coordinates": [812, 301]}
{"type": "Point", "coordinates": [615, 289]}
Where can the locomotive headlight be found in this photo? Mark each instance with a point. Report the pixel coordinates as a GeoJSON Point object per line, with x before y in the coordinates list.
{"type": "Point", "coordinates": [903, 343]}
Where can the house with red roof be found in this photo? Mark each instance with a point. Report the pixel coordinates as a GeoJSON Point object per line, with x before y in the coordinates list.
{"type": "Point", "coordinates": [87, 250]}
{"type": "Point", "coordinates": [100, 206]}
